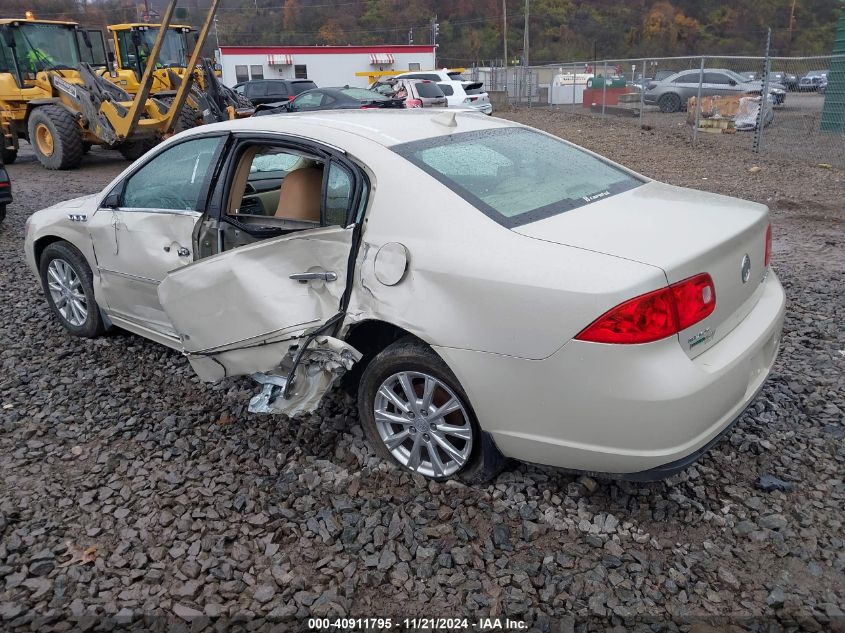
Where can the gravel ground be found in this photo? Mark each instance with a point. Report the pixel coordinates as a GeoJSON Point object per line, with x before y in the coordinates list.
{"type": "Point", "coordinates": [131, 494]}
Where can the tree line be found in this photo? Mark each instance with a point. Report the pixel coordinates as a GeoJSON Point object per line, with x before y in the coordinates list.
{"type": "Point", "coordinates": [471, 31]}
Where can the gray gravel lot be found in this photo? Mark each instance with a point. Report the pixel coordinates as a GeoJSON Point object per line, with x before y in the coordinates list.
{"type": "Point", "coordinates": [194, 512]}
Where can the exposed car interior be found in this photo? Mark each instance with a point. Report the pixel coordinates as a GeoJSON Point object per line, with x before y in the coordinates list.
{"type": "Point", "coordinates": [276, 190]}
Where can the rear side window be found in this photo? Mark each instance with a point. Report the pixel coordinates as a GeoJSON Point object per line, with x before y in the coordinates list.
{"type": "Point", "coordinates": [256, 89]}
{"type": "Point", "coordinates": [277, 89]}
{"type": "Point", "coordinates": [447, 89]}
{"type": "Point", "coordinates": [687, 78]}
{"type": "Point", "coordinates": [298, 87]}
{"type": "Point", "coordinates": [515, 175]}
{"type": "Point", "coordinates": [429, 90]}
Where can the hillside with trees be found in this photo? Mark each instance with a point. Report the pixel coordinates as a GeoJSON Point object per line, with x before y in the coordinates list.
{"type": "Point", "coordinates": [471, 30]}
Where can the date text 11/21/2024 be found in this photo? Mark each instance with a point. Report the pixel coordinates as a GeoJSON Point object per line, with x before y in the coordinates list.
{"type": "Point", "coordinates": [414, 624]}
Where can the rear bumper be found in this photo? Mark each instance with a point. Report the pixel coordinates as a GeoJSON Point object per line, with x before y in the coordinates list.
{"type": "Point", "coordinates": [642, 411]}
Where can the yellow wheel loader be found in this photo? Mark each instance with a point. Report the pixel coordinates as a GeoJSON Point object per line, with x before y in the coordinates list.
{"type": "Point", "coordinates": [209, 100]}
{"type": "Point", "coordinates": [52, 95]}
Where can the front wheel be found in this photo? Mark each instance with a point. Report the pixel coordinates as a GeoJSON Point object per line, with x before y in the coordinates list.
{"type": "Point", "coordinates": [415, 413]}
{"type": "Point", "coordinates": [68, 284]}
{"type": "Point", "coordinates": [55, 136]}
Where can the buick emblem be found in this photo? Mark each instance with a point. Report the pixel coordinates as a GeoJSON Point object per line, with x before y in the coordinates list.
{"type": "Point", "coordinates": [746, 268]}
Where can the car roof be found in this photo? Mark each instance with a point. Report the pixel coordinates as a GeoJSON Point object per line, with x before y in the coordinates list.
{"type": "Point", "coordinates": [276, 79]}
{"type": "Point", "coordinates": [385, 127]}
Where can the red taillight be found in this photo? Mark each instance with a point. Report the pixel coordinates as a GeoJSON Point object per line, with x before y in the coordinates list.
{"type": "Point", "coordinates": [768, 256]}
{"type": "Point", "coordinates": [413, 103]}
{"type": "Point", "coordinates": [655, 315]}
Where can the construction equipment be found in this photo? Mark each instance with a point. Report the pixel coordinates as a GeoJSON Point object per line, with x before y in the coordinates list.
{"type": "Point", "coordinates": [208, 101]}
{"type": "Point", "coordinates": [52, 95]}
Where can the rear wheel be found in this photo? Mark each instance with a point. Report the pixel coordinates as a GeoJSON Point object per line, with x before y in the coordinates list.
{"type": "Point", "coordinates": [415, 413]}
{"type": "Point", "coordinates": [55, 136]}
{"type": "Point", "coordinates": [669, 102]}
{"type": "Point", "coordinates": [9, 156]}
{"type": "Point", "coordinates": [68, 285]}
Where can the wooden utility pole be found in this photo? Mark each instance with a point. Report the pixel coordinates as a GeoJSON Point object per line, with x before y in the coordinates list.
{"type": "Point", "coordinates": [505, 32]}
{"type": "Point", "coordinates": [525, 38]}
{"type": "Point", "coordinates": [791, 27]}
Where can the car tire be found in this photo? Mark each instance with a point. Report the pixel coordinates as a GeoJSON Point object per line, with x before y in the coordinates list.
{"type": "Point", "coordinates": [463, 451]}
{"type": "Point", "coordinates": [2, 212]}
{"type": "Point", "coordinates": [69, 287]}
{"type": "Point", "coordinates": [670, 102]}
{"type": "Point", "coordinates": [133, 150]}
{"type": "Point", "coordinates": [55, 137]}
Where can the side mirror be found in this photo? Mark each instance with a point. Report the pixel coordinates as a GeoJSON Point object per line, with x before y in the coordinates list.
{"type": "Point", "coordinates": [111, 201]}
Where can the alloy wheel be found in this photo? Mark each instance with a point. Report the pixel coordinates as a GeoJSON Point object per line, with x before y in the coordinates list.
{"type": "Point", "coordinates": [423, 424]}
{"type": "Point", "coordinates": [67, 293]}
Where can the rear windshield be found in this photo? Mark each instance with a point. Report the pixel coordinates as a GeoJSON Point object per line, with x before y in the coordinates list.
{"type": "Point", "coordinates": [429, 90]}
{"type": "Point", "coordinates": [516, 175]}
{"type": "Point", "coordinates": [363, 94]}
{"type": "Point", "coordinates": [297, 87]}
{"type": "Point", "coordinates": [474, 91]}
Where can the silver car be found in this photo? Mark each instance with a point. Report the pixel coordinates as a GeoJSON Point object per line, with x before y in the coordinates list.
{"type": "Point", "coordinates": [487, 290]}
{"type": "Point", "coordinates": [671, 94]}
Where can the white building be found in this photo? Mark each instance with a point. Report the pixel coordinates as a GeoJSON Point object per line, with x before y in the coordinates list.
{"type": "Point", "coordinates": [324, 65]}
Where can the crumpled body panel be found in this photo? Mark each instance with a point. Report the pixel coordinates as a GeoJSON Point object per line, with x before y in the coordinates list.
{"type": "Point", "coordinates": [324, 361]}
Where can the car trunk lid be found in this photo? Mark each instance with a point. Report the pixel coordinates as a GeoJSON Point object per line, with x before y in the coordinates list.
{"type": "Point", "coordinates": [682, 231]}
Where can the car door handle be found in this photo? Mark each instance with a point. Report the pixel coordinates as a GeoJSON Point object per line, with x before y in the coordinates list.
{"type": "Point", "coordinates": [304, 278]}
{"type": "Point", "coordinates": [183, 252]}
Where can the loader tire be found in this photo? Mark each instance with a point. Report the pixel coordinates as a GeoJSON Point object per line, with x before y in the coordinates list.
{"type": "Point", "coordinates": [188, 118]}
{"type": "Point", "coordinates": [134, 150]}
{"type": "Point", "coordinates": [55, 137]}
{"type": "Point", "coordinates": [243, 102]}
{"type": "Point", "coordinates": [8, 156]}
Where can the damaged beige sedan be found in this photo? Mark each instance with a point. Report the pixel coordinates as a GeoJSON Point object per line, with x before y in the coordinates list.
{"type": "Point", "coordinates": [487, 290]}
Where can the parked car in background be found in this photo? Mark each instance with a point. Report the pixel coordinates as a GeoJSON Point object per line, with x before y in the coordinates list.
{"type": "Point", "coordinates": [417, 93]}
{"type": "Point", "coordinates": [486, 289]}
{"type": "Point", "coordinates": [5, 191]}
{"type": "Point", "coordinates": [672, 93]}
{"type": "Point", "coordinates": [811, 81]}
{"type": "Point", "coordinates": [469, 95]}
{"type": "Point", "coordinates": [343, 98]}
{"type": "Point", "coordinates": [433, 75]}
{"type": "Point", "coordinates": [749, 75]}
{"type": "Point", "coordinates": [261, 91]}
{"type": "Point", "coordinates": [789, 81]}
{"type": "Point", "coordinates": [822, 89]}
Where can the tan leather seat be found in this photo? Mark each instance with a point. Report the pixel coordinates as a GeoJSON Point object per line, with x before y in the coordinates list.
{"type": "Point", "coordinates": [241, 178]}
{"type": "Point", "coordinates": [299, 197]}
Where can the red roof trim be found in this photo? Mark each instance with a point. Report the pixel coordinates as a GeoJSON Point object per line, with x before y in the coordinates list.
{"type": "Point", "coordinates": [322, 50]}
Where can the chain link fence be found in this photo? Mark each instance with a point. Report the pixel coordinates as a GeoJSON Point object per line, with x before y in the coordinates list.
{"type": "Point", "coordinates": [803, 117]}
